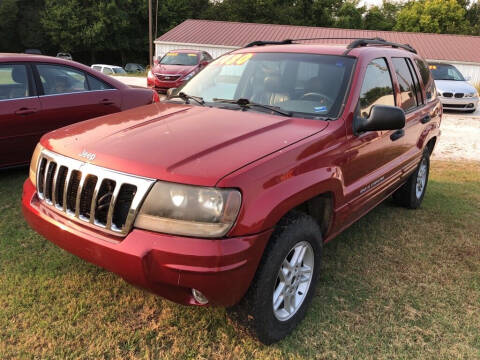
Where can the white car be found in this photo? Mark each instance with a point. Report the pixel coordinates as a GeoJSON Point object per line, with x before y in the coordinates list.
{"type": "Point", "coordinates": [454, 91]}
{"type": "Point", "coordinates": [108, 69]}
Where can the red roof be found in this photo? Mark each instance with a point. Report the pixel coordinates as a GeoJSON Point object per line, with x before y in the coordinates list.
{"type": "Point", "coordinates": [234, 34]}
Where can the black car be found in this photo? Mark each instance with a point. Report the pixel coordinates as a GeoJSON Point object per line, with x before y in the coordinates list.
{"type": "Point", "coordinates": [134, 68]}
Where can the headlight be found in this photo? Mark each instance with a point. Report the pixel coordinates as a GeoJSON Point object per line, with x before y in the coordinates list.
{"type": "Point", "coordinates": [189, 210]}
{"type": "Point", "coordinates": [189, 76]}
{"type": "Point", "coordinates": [32, 174]}
{"type": "Point", "coordinates": [150, 75]}
{"type": "Point", "coordinates": [471, 95]}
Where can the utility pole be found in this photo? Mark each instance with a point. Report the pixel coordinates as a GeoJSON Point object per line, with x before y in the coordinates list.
{"type": "Point", "coordinates": [150, 42]}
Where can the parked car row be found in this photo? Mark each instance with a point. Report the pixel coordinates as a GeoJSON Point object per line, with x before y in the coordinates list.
{"type": "Point", "coordinates": [225, 192]}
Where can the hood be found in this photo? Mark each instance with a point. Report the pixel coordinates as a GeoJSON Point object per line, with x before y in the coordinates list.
{"type": "Point", "coordinates": [180, 143]}
{"type": "Point", "coordinates": [173, 69]}
{"type": "Point", "coordinates": [454, 86]}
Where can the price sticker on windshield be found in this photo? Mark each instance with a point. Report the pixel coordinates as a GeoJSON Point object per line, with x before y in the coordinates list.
{"type": "Point", "coordinates": [172, 54]}
{"type": "Point", "coordinates": [234, 59]}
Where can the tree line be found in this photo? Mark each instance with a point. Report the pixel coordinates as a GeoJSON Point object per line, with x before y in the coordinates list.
{"type": "Point", "coordinates": [117, 30]}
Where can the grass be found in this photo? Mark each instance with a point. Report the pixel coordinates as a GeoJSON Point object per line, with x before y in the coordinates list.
{"type": "Point", "coordinates": [397, 284]}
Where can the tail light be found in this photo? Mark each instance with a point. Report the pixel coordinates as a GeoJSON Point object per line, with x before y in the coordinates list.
{"type": "Point", "coordinates": [155, 97]}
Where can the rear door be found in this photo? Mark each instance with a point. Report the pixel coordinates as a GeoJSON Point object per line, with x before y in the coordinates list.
{"type": "Point", "coordinates": [411, 100]}
{"type": "Point", "coordinates": [69, 95]}
{"type": "Point", "coordinates": [19, 109]}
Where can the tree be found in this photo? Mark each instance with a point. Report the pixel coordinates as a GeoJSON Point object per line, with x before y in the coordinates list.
{"type": "Point", "coordinates": [381, 18]}
{"type": "Point", "coordinates": [349, 16]}
{"type": "Point", "coordinates": [473, 17]}
{"type": "Point", "coordinates": [433, 16]}
{"type": "Point", "coordinates": [8, 14]}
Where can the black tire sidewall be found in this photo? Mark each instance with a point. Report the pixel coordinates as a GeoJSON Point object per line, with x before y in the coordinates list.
{"type": "Point", "coordinates": [414, 200]}
{"type": "Point", "coordinates": [302, 228]}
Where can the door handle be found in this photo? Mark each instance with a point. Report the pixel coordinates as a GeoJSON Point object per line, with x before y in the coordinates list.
{"type": "Point", "coordinates": [107, 102]}
{"type": "Point", "coordinates": [426, 119]}
{"type": "Point", "coordinates": [25, 111]}
{"type": "Point", "coordinates": [397, 135]}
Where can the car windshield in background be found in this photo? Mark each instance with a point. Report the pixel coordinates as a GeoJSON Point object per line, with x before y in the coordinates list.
{"type": "Point", "coordinates": [176, 58]}
{"type": "Point", "coordinates": [306, 85]}
{"type": "Point", "coordinates": [119, 70]}
{"type": "Point", "coordinates": [446, 72]}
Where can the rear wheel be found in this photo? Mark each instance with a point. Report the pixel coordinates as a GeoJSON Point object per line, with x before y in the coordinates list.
{"type": "Point", "coordinates": [412, 192]}
{"type": "Point", "coordinates": [284, 284]}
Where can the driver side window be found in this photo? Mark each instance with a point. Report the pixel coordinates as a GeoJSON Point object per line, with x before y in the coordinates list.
{"type": "Point", "coordinates": [377, 88]}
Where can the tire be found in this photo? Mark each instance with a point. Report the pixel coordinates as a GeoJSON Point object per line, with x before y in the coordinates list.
{"type": "Point", "coordinates": [412, 192]}
{"type": "Point", "coordinates": [295, 234]}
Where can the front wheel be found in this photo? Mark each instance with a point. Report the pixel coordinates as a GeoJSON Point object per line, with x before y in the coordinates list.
{"type": "Point", "coordinates": [285, 281]}
{"type": "Point", "coordinates": [412, 192]}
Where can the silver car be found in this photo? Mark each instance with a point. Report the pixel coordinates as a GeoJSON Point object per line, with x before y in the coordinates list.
{"type": "Point", "coordinates": [454, 92]}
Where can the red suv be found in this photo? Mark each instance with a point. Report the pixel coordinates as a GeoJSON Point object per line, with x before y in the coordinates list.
{"type": "Point", "coordinates": [39, 94]}
{"type": "Point", "coordinates": [226, 192]}
{"type": "Point", "coordinates": [176, 67]}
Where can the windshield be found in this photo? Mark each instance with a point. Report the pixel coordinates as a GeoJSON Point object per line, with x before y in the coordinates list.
{"type": "Point", "coordinates": [118, 70]}
{"type": "Point", "coordinates": [446, 72]}
{"type": "Point", "coordinates": [176, 58]}
{"type": "Point", "coordinates": [308, 84]}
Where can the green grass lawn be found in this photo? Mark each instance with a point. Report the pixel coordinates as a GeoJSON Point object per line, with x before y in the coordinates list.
{"type": "Point", "coordinates": [397, 284]}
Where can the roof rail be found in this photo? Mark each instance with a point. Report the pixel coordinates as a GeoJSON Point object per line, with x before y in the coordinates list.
{"type": "Point", "coordinates": [358, 42]}
{"type": "Point", "coordinates": [378, 41]}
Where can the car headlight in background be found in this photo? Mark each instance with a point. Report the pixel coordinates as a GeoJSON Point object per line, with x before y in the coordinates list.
{"type": "Point", "coordinates": [32, 174]}
{"type": "Point", "coordinates": [189, 210]}
{"type": "Point", "coordinates": [150, 75]}
{"type": "Point", "coordinates": [189, 76]}
{"type": "Point", "coordinates": [471, 95]}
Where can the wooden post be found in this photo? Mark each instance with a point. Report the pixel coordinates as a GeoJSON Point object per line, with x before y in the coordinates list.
{"type": "Point", "coordinates": [150, 42]}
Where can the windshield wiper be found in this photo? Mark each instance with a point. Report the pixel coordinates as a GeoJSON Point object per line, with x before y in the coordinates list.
{"type": "Point", "coordinates": [245, 104]}
{"type": "Point", "coordinates": [187, 98]}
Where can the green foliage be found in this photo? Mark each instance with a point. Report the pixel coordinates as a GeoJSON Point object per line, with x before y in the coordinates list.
{"type": "Point", "coordinates": [113, 29]}
{"type": "Point", "coordinates": [8, 15]}
{"type": "Point", "coordinates": [381, 18]}
{"type": "Point", "coordinates": [433, 16]}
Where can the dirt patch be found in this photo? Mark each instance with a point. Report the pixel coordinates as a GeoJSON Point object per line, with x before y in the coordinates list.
{"type": "Point", "coordinates": [460, 138]}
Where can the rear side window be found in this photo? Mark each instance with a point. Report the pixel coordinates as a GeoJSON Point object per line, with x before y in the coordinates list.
{"type": "Point", "coordinates": [13, 82]}
{"type": "Point", "coordinates": [98, 68]}
{"type": "Point", "coordinates": [406, 84]}
{"type": "Point", "coordinates": [418, 88]}
{"type": "Point", "coordinates": [107, 71]}
{"type": "Point", "coordinates": [377, 88]}
{"type": "Point", "coordinates": [58, 79]}
{"type": "Point", "coordinates": [427, 80]}
{"type": "Point", "coordinates": [96, 84]}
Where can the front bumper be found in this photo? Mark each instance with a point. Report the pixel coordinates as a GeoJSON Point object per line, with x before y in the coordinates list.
{"type": "Point", "coordinates": [163, 86]}
{"type": "Point", "coordinates": [461, 104]}
{"type": "Point", "coordinates": [169, 266]}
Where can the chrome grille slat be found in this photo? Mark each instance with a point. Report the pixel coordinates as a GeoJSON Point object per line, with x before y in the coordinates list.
{"type": "Point", "coordinates": [94, 200]}
{"type": "Point", "coordinates": [79, 194]}
{"type": "Point", "coordinates": [65, 188]}
{"type": "Point", "coordinates": [112, 205]}
{"type": "Point", "coordinates": [81, 186]}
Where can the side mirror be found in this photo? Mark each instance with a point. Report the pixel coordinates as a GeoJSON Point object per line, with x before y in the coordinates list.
{"type": "Point", "coordinates": [381, 118]}
{"type": "Point", "coordinates": [171, 92]}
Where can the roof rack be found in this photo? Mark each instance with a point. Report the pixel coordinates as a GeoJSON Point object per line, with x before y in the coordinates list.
{"type": "Point", "coordinates": [378, 41]}
{"type": "Point", "coordinates": [357, 42]}
{"type": "Point", "coordinates": [262, 43]}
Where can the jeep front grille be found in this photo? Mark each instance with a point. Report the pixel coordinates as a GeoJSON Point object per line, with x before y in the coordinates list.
{"type": "Point", "coordinates": [95, 196]}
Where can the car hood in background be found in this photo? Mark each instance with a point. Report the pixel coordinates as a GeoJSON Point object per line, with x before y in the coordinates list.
{"type": "Point", "coordinates": [173, 69]}
{"type": "Point", "coordinates": [180, 143]}
{"type": "Point", "coordinates": [454, 86]}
